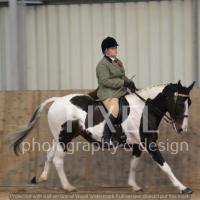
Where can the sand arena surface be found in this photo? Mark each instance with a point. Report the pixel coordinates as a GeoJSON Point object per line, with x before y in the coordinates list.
{"type": "Point", "coordinates": [100, 193]}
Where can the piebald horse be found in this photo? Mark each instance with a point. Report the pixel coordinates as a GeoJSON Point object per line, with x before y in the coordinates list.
{"type": "Point", "coordinates": [172, 99]}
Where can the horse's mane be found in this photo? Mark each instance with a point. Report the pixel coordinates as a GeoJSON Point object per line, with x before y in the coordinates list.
{"type": "Point", "coordinates": [152, 87]}
{"type": "Point", "coordinates": [151, 91]}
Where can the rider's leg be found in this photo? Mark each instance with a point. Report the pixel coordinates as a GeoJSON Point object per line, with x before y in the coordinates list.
{"type": "Point", "coordinates": [109, 129]}
{"type": "Point", "coordinates": [112, 105]}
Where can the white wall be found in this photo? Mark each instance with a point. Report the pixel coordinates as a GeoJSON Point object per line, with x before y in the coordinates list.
{"type": "Point", "coordinates": [63, 43]}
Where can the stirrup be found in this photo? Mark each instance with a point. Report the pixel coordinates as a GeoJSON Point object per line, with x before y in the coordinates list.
{"type": "Point", "coordinates": [107, 145]}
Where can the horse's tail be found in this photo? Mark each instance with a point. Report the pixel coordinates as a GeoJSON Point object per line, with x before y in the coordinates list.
{"type": "Point", "coordinates": [19, 137]}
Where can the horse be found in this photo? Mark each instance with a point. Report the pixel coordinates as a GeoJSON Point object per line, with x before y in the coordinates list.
{"type": "Point", "coordinates": [165, 101]}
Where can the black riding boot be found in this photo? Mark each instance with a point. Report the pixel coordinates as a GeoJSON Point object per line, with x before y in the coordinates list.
{"type": "Point", "coordinates": [107, 131]}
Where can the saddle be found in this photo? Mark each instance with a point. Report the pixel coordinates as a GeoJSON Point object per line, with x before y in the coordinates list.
{"type": "Point", "coordinates": [119, 136]}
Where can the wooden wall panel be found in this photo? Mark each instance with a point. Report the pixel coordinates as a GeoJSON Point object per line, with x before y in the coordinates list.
{"type": "Point", "coordinates": [63, 44]}
{"type": "Point", "coordinates": [82, 168]}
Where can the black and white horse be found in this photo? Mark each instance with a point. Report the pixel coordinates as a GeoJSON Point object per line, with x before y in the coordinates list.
{"type": "Point", "coordinates": [167, 98]}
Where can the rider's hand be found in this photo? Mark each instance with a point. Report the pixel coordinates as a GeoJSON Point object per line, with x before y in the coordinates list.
{"type": "Point", "coordinates": [130, 85]}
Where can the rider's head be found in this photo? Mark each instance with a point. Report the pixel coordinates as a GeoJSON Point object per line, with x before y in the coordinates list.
{"type": "Point", "coordinates": [109, 47]}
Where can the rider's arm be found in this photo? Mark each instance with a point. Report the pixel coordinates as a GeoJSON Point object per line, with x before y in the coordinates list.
{"type": "Point", "coordinates": [103, 76]}
{"type": "Point", "coordinates": [125, 77]}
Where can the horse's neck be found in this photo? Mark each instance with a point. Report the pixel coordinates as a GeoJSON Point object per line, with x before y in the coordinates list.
{"type": "Point", "coordinates": [158, 102]}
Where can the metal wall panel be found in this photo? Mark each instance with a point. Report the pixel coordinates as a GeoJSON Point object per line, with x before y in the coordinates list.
{"type": "Point", "coordinates": [63, 43]}
{"type": "Point", "coordinates": [4, 49]}
{"type": "Point", "coordinates": [197, 39]}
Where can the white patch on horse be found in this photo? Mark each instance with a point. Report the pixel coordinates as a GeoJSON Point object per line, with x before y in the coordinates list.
{"type": "Point", "coordinates": [97, 130]}
{"type": "Point", "coordinates": [166, 168]}
{"type": "Point", "coordinates": [185, 120]}
{"type": "Point", "coordinates": [132, 123]}
{"type": "Point", "coordinates": [132, 173]}
{"type": "Point", "coordinates": [63, 110]}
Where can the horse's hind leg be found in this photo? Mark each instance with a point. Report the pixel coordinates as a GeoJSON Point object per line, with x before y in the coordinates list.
{"type": "Point", "coordinates": [65, 138]}
{"type": "Point", "coordinates": [134, 163]}
{"type": "Point", "coordinates": [48, 163]}
{"type": "Point", "coordinates": [58, 161]}
{"type": "Point", "coordinates": [47, 166]}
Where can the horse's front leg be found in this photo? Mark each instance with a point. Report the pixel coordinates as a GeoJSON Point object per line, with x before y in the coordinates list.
{"type": "Point", "coordinates": [133, 165]}
{"type": "Point", "coordinates": [157, 156]}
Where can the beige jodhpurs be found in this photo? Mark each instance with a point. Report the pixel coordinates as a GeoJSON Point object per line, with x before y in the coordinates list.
{"type": "Point", "coordinates": [112, 104]}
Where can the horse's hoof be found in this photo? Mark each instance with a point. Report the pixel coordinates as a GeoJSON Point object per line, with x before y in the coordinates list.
{"type": "Point", "coordinates": [33, 180]}
{"type": "Point", "coordinates": [71, 189]}
{"type": "Point", "coordinates": [139, 190]}
{"type": "Point", "coordinates": [186, 191]}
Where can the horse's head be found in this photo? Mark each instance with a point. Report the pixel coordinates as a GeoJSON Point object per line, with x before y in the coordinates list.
{"type": "Point", "coordinates": [177, 102]}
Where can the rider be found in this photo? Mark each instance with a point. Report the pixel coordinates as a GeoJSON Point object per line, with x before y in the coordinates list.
{"type": "Point", "coordinates": [112, 82]}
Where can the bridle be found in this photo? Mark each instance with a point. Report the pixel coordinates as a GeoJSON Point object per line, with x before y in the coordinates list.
{"type": "Point", "coordinates": [167, 118]}
{"type": "Point", "coordinates": [176, 95]}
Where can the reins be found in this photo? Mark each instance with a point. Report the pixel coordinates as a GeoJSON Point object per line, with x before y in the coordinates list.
{"type": "Point", "coordinates": [166, 117]}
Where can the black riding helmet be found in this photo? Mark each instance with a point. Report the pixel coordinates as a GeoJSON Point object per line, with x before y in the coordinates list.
{"type": "Point", "coordinates": [107, 43]}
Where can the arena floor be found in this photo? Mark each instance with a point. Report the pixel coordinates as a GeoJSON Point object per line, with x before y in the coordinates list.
{"type": "Point", "coordinates": [100, 193]}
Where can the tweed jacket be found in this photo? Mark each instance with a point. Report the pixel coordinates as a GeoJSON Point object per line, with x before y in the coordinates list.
{"type": "Point", "coordinates": [111, 76]}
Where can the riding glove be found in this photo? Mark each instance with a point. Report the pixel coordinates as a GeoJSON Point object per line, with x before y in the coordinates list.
{"type": "Point", "coordinates": [128, 83]}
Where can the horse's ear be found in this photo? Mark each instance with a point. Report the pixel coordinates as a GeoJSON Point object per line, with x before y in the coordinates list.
{"type": "Point", "coordinates": [190, 86]}
{"type": "Point", "coordinates": [179, 83]}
